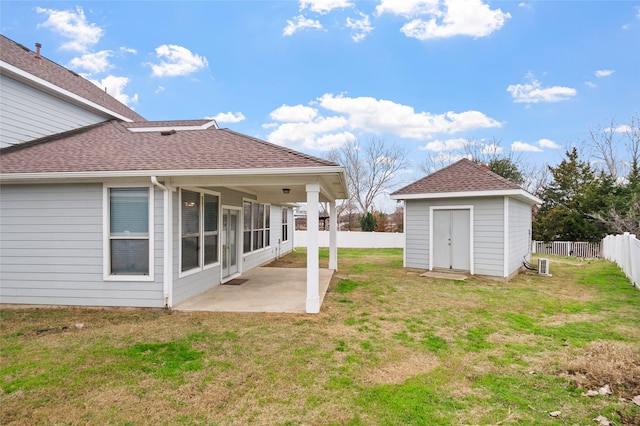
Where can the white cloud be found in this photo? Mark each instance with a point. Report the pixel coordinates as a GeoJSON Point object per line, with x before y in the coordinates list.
{"type": "Point", "coordinates": [306, 127]}
{"type": "Point", "coordinates": [307, 134]}
{"type": "Point", "coordinates": [228, 117]}
{"type": "Point", "coordinates": [461, 17]}
{"type": "Point", "coordinates": [590, 84]}
{"type": "Point", "coordinates": [93, 62]}
{"type": "Point", "coordinates": [491, 149]}
{"type": "Point", "coordinates": [177, 61]}
{"type": "Point", "coordinates": [324, 6]}
{"type": "Point", "coordinates": [603, 73]}
{"type": "Point", "coordinates": [525, 5]}
{"type": "Point", "coordinates": [160, 89]}
{"type": "Point", "coordinates": [548, 143]}
{"type": "Point", "coordinates": [533, 92]}
{"type": "Point", "coordinates": [446, 146]}
{"type": "Point", "coordinates": [129, 50]}
{"type": "Point", "coordinates": [384, 116]}
{"type": "Point", "coordinates": [296, 113]}
{"type": "Point", "coordinates": [407, 8]}
{"type": "Point", "coordinates": [115, 87]}
{"type": "Point", "coordinates": [522, 146]}
{"type": "Point", "coordinates": [362, 27]}
{"type": "Point", "coordinates": [299, 23]}
{"type": "Point", "coordinates": [74, 26]}
{"type": "Point", "coordinates": [333, 140]}
{"type": "Point", "coordinates": [624, 128]}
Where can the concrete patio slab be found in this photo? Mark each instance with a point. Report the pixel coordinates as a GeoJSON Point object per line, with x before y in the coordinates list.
{"type": "Point", "coordinates": [282, 290]}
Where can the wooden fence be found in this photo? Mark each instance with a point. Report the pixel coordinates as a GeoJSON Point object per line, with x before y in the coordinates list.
{"type": "Point", "coordinates": [568, 248]}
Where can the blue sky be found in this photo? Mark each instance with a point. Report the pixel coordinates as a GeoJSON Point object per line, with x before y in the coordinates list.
{"type": "Point", "coordinates": [311, 74]}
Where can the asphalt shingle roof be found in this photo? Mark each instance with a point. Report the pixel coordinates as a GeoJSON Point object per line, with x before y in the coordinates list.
{"type": "Point", "coordinates": [462, 176]}
{"type": "Point", "coordinates": [25, 59]}
{"type": "Point", "coordinates": [110, 146]}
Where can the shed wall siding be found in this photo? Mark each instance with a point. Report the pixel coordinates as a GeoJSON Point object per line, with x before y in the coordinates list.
{"type": "Point", "coordinates": [519, 234]}
{"type": "Point", "coordinates": [417, 235]}
{"type": "Point", "coordinates": [488, 232]}
{"type": "Point", "coordinates": [28, 113]}
{"type": "Point", "coordinates": [51, 249]}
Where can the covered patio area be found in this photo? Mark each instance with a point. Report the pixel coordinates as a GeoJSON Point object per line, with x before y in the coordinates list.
{"type": "Point", "coordinates": [266, 289]}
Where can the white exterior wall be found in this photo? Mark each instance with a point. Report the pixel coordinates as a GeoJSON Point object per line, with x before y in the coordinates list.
{"type": "Point", "coordinates": [519, 234]}
{"type": "Point", "coordinates": [488, 232]}
{"type": "Point", "coordinates": [27, 113]}
{"type": "Point", "coordinates": [51, 249]}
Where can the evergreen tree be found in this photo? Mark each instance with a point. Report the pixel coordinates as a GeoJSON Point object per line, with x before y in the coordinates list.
{"type": "Point", "coordinates": [368, 222]}
{"type": "Point", "coordinates": [567, 202]}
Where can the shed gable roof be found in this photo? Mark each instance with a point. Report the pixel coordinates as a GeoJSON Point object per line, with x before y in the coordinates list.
{"type": "Point", "coordinates": [24, 59]}
{"type": "Point", "coordinates": [462, 176]}
{"type": "Point", "coordinates": [463, 179]}
{"type": "Point", "coordinates": [111, 146]}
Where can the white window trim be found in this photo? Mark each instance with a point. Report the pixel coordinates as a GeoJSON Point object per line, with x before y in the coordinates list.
{"type": "Point", "coordinates": [265, 246]}
{"type": "Point", "coordinates": [106, 235]}
{"type": "Point", "coordinates": [202, 266]}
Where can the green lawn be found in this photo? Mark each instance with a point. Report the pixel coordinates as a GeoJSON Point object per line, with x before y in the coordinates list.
{"type": "Point", "coordinates": [388, 348]}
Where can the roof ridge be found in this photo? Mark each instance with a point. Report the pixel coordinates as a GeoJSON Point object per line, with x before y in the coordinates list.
{"type": "Point", "coordinates": [284, 148]}
{"type": "Point", "coordinates": [52, 138]}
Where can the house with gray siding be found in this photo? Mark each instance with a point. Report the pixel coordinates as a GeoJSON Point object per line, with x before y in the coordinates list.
{"type": "Point", "coordinates": [466, 218]}
{"type": "Point", "coordinates": [41, 98]}
{"type": "Point", "coordinates": [99, 207]}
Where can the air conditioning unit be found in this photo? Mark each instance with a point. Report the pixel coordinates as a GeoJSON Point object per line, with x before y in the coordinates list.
{"type": "Point", "coordinates": [543, 267]}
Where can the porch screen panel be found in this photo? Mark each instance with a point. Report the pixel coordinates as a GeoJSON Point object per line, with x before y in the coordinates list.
{"type": "Point", "coordinates": [247, 227]}
{"type": "Point", "coordinates": [129, 231]}
{"type": "Point", "coordinates": [258, 226]}
{"type": "Point", "coordinates": [267, 225]}
{"type": "Point", "coordinates": [190, 216]}
{"type": "Point", "coordinates": [210, 229]}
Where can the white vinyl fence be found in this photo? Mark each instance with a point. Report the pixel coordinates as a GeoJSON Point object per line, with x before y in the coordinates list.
{"type": "Point", "coordinates": [568, 248]}
{"type": "Point", "coordinates": [348, 239]}
{"type": "Point", "coordinates": [625, 251]}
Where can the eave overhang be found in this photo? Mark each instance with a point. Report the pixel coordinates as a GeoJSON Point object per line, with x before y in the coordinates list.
{"type": "Point", "coordinates": [519, 194]}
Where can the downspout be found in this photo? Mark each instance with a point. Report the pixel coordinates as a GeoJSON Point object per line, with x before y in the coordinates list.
{"type": "Point", "coordinates": [167, 280]}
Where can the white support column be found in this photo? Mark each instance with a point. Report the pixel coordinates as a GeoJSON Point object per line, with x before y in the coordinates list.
{"type": "Point", "coordinates": [333, 236]}
{"type": "Point", "coordinates": [313, 267]}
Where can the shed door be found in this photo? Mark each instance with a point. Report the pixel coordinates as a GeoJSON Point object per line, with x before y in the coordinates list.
{"type": "Point", "coordinates": [451, 239]}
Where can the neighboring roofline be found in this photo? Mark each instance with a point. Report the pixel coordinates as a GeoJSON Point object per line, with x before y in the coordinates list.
{"type": "Point", "coordinates": [21, 74]}
{"type": "Point", "coordinates": [205, 126]}
{"type": "Point", "coordinates": [520, 194]}
{"type": "Point", "coordinates": [17, 177]}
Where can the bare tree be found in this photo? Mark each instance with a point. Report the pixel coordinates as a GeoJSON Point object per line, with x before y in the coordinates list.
{"type": "Point", "coordinates": [371, 169]}
{"type": "Point", "coordinates": [604, 143]}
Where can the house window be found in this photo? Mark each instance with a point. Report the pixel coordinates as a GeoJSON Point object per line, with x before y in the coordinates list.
{"type": "Point", "coordinates": [257, 226]}
{"type": "Point", "coordinates": [285, 224]}
{"type": "Point", "coordinates": [199, 230]}
{"type": "Point", "coordinates": [129, 225]}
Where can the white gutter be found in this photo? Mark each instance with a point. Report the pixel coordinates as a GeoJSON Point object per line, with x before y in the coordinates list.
{"type": "Point", "coordinates": [167, 279]}
{"type": "Point", "coordinates": [171, 173]}
{"type": "Point", "coordinates": [21, 74]}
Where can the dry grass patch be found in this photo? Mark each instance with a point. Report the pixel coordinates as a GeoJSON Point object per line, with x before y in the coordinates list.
{"type": "Point", "coordinates": [400, 366]}
{"type": "Point", "coordinates": [601, 363]}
